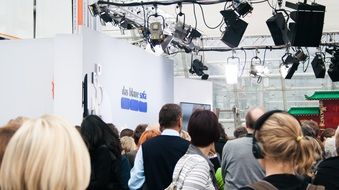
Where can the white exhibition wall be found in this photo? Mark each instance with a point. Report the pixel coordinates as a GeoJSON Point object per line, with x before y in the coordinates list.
{"type": "Point", "coordinates": [193, 91]}
{"type": "Point", "coordinates": [126, 67]}
{"type": "Point", "coordinates": [26, 74]}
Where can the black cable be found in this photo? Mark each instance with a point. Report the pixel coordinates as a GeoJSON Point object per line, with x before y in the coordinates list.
{"type": "Point", "coordinates": [203, 18]}
{"type": "Point", "coordinates": [195, 17]}
{"type": "Point", "coordinates": [308, 61]}
{"type": "Point", "coordinates": [160, 3]}
{"type": "Point", "coordinates": [268, 2]}
{"type": "Point", "coordinates": [257, 2]}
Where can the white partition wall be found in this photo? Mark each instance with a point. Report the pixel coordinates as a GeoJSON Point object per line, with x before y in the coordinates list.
{"type": "Point", "coordinates": [130, 76]}
{"type": "Point", "coordinates": [193, 91]}
{"type": "Point", "coordinates": [26, 74]}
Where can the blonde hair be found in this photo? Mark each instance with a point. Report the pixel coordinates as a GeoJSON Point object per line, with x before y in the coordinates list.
{"type": "Point", "coordinates": [45, 153]}
{"type": "Point", "coordinates": [281, 140]}
{"type": "Point", "coordinates": [127, 144]}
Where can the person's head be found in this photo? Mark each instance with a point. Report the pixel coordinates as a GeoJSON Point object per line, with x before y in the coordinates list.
{"type": "Point", "coordinates": [240, 132]}
{"type": "Point", "coordinates": [307, 130]}
{"type": "Point", "coordinates": [138, 132]}
{"type": "Point", "coordinates": [327, 133]}
{"type": "Point", "coordinates": [127, 144]}
{"type": "Point", "coordinates": [45, 153]}
{"type": "Point", "coordinates": [170, 117]}
{"type": "Point", "coordinates": [148, 134]}
{"type": "Point", "coordinates": [113, 128]}
{"type": "Point", "coordinates": [6, 133]}
{"type": "Point", "coordinates": [126, 132]}
{"type": "Point", "coordinates": [222, 133]}
{"type": "Point", "coordinates": [203, 128]}
{"type": "Point", "coordinates": [278, 138]}
{"type": "Point", "coordinates": [251, 117]}
{"type": "Point", "coordinates": [313, 125]}
{"type": "Point", "coordinates": [96, 133]}
{"type": "Point", "coordinates": [184, 134]}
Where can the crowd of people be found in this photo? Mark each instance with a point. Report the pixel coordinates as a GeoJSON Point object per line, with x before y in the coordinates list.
{"type": "Point", "coordinates": [271, 151]}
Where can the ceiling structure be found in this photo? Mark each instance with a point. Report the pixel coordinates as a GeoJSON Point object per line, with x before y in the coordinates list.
{"type": "Point", "coordinates": [272, 91]}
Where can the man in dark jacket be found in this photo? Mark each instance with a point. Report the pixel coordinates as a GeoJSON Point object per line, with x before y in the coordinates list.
{"type": "Point", "coordinates": [157, 157]}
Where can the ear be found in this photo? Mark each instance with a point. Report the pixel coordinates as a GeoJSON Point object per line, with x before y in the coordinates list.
{"type": "Point", "coordinates": [179, 122]}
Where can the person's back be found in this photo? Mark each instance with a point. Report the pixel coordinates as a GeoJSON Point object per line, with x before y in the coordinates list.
{"type": "Point", "coordinates": [239, 167]}
{"type": "Point", "coordinates": [160, 156]}
{"type": "Point", "coordinates": [156, 158]}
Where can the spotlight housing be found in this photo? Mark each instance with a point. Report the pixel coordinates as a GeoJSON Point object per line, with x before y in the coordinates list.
{"type": "Point", "coordinates": [94, 9]}
{"type": "Point", "coordinates": [318, 65]}
{"type": "Point", "coordinates": [289, 66]}
{"type": "Point", "coordinates": [306, 30]}
{"type": "Point", "coordinates": [242, 7]}
{"type": "Point", "coordinates": [278, 29]}
{"type": "Point", "coordinates": [198, 68]}
{"type": "Point", "coordinates": [333, 70]}
{"type": "Point", "coordinates": [235, 28]}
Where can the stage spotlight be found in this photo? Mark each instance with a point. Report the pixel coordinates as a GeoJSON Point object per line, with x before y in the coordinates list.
{"type": "Point", "coordinates": [235, 28]}
{"type": "Point", "coordinates": [94, 9]}
{"type": "Point", "coordinates": [306, 30]}
{"type": "Point", "coordinates": [198, 67]}
{"type": "Point", "coordinates": [318, 65]}
{"type": "Point", "coordinates": [278, 29]}
{"type": "Point", "coordinates": [106, 17]}
{"type": "Point", "coordinates": [289, 66]}
{"type": "Point", "coordinates": [300, 55]}
{"type": "Point", "coordinates": [333, 70]}
{"type": "Point", "coordinates": [242, 7]}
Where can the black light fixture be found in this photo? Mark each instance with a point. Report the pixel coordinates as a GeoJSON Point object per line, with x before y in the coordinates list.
{"type": "Point", "coordinates": [242, 7]}
{"type": "Point", "coordinates": [333, 70]}
{"type": "Point", "coordinates": [198, 68]}
{"type": "Point", "coordinates": [318, 65]}
{"type": "Point", "coordinates": [289, 65]}
{"type": "Point", "coordinates": [306, 30]}
{"type": "Point", "coordinates": [94, 9]}
{"type": "Point", "coordinates": [235, 28]}
{"type": "Point", "coordinates": [278, 28]}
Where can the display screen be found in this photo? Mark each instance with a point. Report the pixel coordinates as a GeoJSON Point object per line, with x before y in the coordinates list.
{"type": "Point", "coordinates": [188, 108]}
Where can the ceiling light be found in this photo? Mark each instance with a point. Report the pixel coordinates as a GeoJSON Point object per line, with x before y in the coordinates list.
{"type": "Point", "coordinates": [318, 65]}
{"type": "Point", "coordinates": [235, 28]}
{"type": "Point", "coordinates": [289, 66]}
{"type": "Point", "coordinates": [278, 29]}
{"type": "Point", "coordinates": [198, 68]}
{"type": "Point", "coordinates": [306, 30]}
{"type": "Point", "coordinates": [333, 70]}
{"type": "Point", "coordinates": [94, 9]}
{"type": "Point", "coordinates": [242, 7]}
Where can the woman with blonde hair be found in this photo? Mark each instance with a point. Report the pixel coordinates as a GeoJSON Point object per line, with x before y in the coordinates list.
{"type": "Point", "coordinates": [127, 144]}
{"type": "Point", "coordinates": [283, 152]}
{"type": "Point", "coordinates": [45, 153]}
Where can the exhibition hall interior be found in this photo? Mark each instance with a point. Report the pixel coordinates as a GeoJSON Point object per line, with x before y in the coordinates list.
{"type": "Point", "coordinates": [250, 86]}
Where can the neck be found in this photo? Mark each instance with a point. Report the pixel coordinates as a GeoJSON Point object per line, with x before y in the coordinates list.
{"type": "Point", "coordinates": [273, 167]}
{"type": "Point", "coordinates": [249, 130]}
{"type": "Point", "coordinates": [205, 150]}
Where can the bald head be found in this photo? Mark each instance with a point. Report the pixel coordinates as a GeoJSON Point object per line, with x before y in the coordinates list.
{"type": "Point", "coordinates": [252, 115]}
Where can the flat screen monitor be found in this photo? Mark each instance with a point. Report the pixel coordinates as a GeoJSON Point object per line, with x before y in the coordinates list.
{"type": "Point", "coordinates": [188, 108]}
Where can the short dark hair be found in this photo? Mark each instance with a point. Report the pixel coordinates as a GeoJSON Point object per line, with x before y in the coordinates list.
{"type": "Point", "coordinates": [222, 133]}
{"type": "Point", "coordinates": [313, 125]}
{"type": "Point", "coordinates": [308, 131]}
{"type": "Point", "coordinates": [169, 115]}
{"type": "Point", "coordinates": [240, 132]}
{"type": "Point", "coordinates": [96, 133]}
{"type": "Point", "coordinates": [203, 128]}
{"type": "Point", "coordinates": [138, 132]}
{"type": "Point", "coordinates": [126, 132]}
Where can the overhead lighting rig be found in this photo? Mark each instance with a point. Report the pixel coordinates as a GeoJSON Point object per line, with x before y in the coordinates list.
{"type": "Point", "coordinates": [333, 70]}
{"type": "Point", "coordinates": [198, 68]}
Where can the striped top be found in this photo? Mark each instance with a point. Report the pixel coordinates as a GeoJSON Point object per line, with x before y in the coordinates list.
{"type": "Point", "coordinates": [194, 173]}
